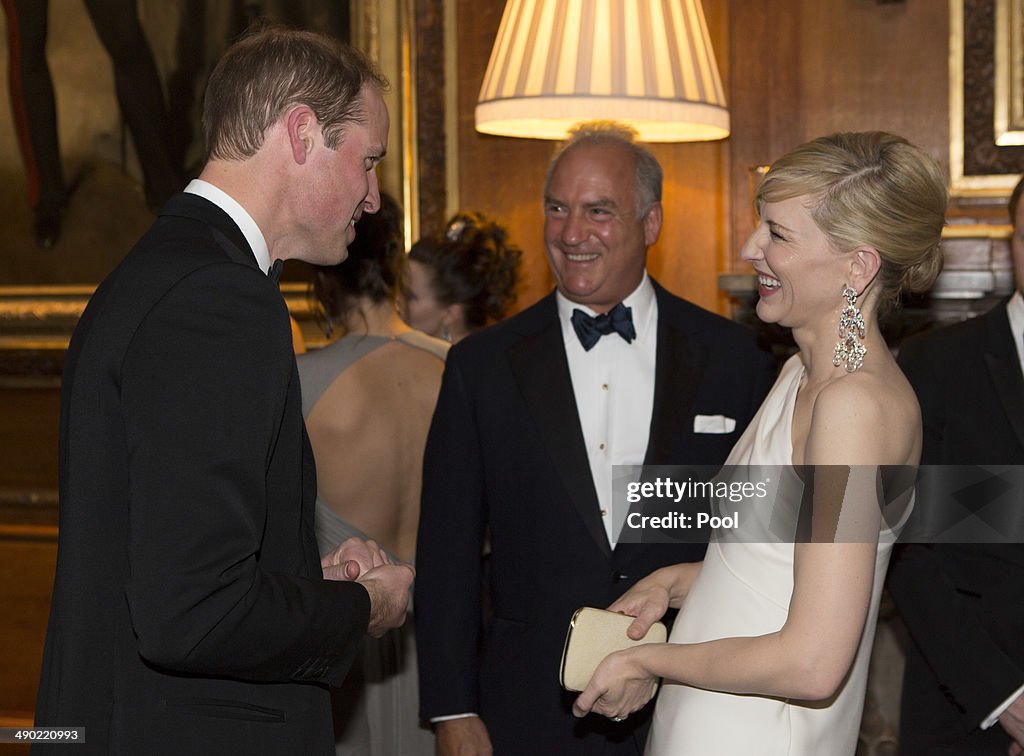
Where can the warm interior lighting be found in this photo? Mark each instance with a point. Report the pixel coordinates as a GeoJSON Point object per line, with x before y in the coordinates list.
{"type": "Point", "coordinates": [648, 63]}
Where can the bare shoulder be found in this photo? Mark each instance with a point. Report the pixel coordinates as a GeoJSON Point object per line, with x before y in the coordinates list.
{"type": "Point", "coordinates": [882, 391]}
{"type": "Point", "coordinates": [867, 417]}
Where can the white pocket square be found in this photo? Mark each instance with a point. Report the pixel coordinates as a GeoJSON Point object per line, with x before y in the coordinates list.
{"type": "Point", "coordinates": [713, 424]}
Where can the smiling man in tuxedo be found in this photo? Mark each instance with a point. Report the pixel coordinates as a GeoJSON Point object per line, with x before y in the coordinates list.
{"type": "Point", "coordinates": [533, 412]}
{"type": "Point", "coordinates": [190, 612]}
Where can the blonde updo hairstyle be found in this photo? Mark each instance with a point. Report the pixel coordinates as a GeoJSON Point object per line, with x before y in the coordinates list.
{"type": "Point", "coordinates": [870, 188]}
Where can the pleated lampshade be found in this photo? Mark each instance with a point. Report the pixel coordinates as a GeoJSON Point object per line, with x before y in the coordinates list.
{"type": "Point", "coordinates": [648, 63]}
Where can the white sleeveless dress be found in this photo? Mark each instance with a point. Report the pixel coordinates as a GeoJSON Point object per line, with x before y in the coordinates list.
{"type": "Point", "coordinates": [743, 589]}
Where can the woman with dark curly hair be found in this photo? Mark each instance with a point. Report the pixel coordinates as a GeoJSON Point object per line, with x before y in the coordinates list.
{"type": "Point", "coordinates": [463, 280]}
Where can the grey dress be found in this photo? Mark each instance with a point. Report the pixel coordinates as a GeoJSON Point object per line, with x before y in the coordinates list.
{"type": "Point", "coordinates": [376, 710]}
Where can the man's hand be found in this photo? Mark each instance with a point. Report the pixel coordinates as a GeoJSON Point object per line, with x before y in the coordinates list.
{"type": "Point", "coordinates": [1012, 720]}
{"type": "Point", "coordinates": [353, 558]}
{"type": "Point", "coordinates": [388, 586]}
{"type": "Point", "coordinates": [466, 736]}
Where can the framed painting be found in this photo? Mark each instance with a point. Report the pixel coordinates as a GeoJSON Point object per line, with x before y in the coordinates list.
{"type": "Point", "coordinates": [42, 292]}
{"type": "Point", "coordinates": [986, 96]}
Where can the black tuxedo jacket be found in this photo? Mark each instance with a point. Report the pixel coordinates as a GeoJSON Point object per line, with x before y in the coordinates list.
{"type": "Point", "coordinates": [963, 603]}
{"type": "Point", "coordinates": [506, 456]}
{"type": "Point", "coordinates": [189, 611]}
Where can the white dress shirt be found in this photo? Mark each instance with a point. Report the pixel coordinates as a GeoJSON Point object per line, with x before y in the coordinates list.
{"type": "Point", "coordinates": [614, 388]}
{"type": "Point", "coordinates": [238, 214]}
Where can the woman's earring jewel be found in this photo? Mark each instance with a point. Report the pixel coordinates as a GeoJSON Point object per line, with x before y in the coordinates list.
{"type": "Point", "coordinates": [849, 351]}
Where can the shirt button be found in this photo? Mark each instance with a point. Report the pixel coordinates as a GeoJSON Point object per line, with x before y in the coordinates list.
{"type": "Point", "coordinates": [604, 512]}
{"type": "Point", "coordinates": [602, 447]}
{"type": "Point", "coordinates": [604, 386]}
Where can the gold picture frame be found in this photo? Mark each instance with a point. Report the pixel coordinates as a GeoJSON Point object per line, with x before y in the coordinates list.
{"type": "Point", "coordinates": [986, 115]}
{"type": "Point", "coordinates": [383, 29]}
{"type": "Point", "coordinates": [1009, 73]}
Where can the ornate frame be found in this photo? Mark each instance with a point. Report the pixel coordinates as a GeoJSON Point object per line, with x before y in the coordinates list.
{"type": "Point", "coordinates": [986, 96]}
{"type": "Point", "coordinates": [383, 29]}
{"type": "Point", "coordinates": [1009, 81]}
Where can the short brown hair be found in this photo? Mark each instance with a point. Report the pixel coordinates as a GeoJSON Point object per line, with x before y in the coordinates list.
{"type": "Point", "coordinates": [648, 174]}
{"type": "Point", "coordinates": [273, 69]}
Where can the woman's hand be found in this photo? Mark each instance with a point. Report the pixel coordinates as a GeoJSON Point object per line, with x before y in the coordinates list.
{"type": "Point", "coordinates": [650, 598]}
{"type": "Point", "coordinates": [620, 686]}
{"type": "Point", "coordinates": [647, 601]}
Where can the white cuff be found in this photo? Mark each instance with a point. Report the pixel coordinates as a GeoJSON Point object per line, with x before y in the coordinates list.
{"type": "Point", "coordinates": [997, 712]}
{"type": "Point", "coordinates": [448, 717]}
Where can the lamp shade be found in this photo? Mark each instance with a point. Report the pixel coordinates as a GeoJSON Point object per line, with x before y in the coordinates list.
{"type": "Point", "coordinates": [647, 63]}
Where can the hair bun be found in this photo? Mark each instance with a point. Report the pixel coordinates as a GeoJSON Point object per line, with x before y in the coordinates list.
{"type": "Point", "coordinates": [474, 264]}
{"type": "Point", "coordinates": [920, 276]}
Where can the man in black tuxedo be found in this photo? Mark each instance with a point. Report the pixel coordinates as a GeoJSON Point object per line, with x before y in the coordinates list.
{"type": "Point", "coordinates": [529, 422]}
{"type": "Point", "coordinates": [190, 612]}
{"type": "Point", "coordinates": [963, 688]}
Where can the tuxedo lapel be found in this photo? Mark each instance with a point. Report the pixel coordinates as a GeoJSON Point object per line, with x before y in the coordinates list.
{"type": "Point", "coordinates": [1004, 368]}
{"type": "Point", "coordinates": [541, 372]}
{"type": "Point", "coordinates": [678, 366]}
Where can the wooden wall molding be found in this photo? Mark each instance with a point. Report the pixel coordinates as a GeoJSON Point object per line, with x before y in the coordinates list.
{"type": "Point", "coordinates": [36, 323]}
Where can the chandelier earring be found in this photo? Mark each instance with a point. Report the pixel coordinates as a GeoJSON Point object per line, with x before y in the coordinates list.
{"type": "Point", "coordinates": [446, 333]}
{"type": "Point", "coordinates": [849, 350]}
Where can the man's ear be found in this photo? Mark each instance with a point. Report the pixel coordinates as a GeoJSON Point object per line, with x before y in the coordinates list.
{"type": "Point", "coordinates": [302, 126]}
{"type": "Point", "coordinates": [652, 224]}
{"type": "Point", "coordinates": [865, 262]}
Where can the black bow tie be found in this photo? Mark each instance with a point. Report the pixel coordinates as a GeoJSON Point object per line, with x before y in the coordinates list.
{"type": "Point", "coordinates": [274, 274]}
{"type": "Point", "coordinates": [590, 329]}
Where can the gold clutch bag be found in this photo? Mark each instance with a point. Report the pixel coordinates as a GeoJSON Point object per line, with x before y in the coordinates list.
{"type": "Point", "coordinates": [593, 634]}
